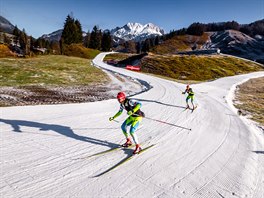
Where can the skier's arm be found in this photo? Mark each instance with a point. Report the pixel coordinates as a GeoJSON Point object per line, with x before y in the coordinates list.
{"type": "Point", "coordinates": [137, 106]}
{"type": "Point", "coordinates": [117, 114]}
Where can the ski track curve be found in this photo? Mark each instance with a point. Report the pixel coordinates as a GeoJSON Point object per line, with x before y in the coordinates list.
{"type": "Point", "coordinates": [44, 148]}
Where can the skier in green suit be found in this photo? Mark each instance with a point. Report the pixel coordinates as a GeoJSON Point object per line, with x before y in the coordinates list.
{"type": "Point", "coordinates": [135, 117]}
{"type": "Point", "coordinates": [190, 96]}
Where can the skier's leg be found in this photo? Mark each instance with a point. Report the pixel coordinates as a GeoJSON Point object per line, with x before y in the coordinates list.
{"type": "Point", "coordinates": [126, 123]}
{"type": "Point", "coordinates": [192, 101]}
{"type": "Point", "coordinates": [188, 97]}
{"type": "Point", "coordinates": [134, 127]}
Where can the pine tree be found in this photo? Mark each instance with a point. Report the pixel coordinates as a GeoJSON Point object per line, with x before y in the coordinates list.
{"type": "Point", "coordinates": [72, 33]}
{"type": "Point", "coordinates": [16, 31]}
{"type": "Point", "coordinates": [78, 32]}
{"type": "Point", "coordinates": [23, 41]}
{"type": "Point", "coordinates": [146, 46]}
{"type": "Point", "coordinates": [106, 41]}
{"type": "Point", "coordinates": [87, 39]}
{"type": "Point", "coordinates": [95, 39]}
{"type": "Point", "coordinates": [157, 40]}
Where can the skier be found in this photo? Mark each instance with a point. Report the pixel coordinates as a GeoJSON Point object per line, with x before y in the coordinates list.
{"type": "Point", "coordinates": [135, 116]}
{"type": "Point", "coordinates": [190, 96]}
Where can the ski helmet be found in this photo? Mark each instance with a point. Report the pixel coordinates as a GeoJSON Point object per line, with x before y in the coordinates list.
{"type": "Point", "coordinates": [121, 96]}
{"type": "Point", "coordinates": [188, 86]}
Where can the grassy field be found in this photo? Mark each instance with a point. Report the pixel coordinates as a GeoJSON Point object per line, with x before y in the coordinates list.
{"type": "Point", "coordinates": [49, 70]}
{"type": "Point", "coordinates": [196, 68]}
{"type": "Point", "coordinates": [117, 56]}
{"type": "Point", "coordinates": [251, 99]}
{"type": "Point", "coordinates": [78, 50]}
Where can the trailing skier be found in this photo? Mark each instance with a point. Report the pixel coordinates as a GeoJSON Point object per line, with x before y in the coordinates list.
{"type": "Point", "coordinates": [135, 116]}
{"type": "Point", "coordinates": [190, 96]}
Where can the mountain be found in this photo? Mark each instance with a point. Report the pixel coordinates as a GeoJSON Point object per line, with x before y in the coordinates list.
{"type": "Point", "coordinates": [231, 42]}
{"type": "Point", "coordinates": [130, 31]}
{"type": "Point", "coordinates": [54, 36]}
{"type": "Point", "coordinates": [6, 26]}
{"type": "Point", "coordinates": [136, 31]}
{"type": "Point", "coordinates": [239, 44]}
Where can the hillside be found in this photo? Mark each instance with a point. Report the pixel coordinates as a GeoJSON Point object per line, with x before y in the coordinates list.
{"type": "Point", "coordinates": [239, 44]}
{"type": "Point", "coordinates": [181, 43]}
{"type": "Point", "coordinates": [5, 51]}
{"type": "Point", "coordinates": [229, 42]}
{"type": "Point", "coordinates": [198, 68]}
{"type": "Point", "coordinates": [5, 25]}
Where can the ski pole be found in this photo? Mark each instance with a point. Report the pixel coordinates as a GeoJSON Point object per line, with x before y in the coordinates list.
{"type": "Point", "coordinates": [168, 123]}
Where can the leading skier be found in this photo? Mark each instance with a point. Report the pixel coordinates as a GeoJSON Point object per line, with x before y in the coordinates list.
{"type": "Point", "coordinates": [135, 117]}
{"type": "Point", "coordinates": [190, 96]}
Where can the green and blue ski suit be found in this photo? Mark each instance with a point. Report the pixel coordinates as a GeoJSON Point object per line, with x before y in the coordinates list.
{"type": "Point", "coordinates": [135, 117]}
{"type": "Point", "coordinates": [190, 96]}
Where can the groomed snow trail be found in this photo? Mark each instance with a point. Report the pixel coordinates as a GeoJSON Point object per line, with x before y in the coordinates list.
{"type": "Point", "coordinates": [45, 149]}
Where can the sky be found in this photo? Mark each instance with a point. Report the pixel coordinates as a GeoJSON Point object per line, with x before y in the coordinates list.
{"type": "Point", "coordinates": [40, 17]}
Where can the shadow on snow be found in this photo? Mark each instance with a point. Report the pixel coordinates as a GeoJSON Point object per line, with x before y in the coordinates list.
{"type": "Point", "coordinates": [63, 130]}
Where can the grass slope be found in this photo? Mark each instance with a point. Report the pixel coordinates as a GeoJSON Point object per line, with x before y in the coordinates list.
{"type": "Point", "coordinates": [197, 68]}
{"type": "Point", "coordinates": [79, 50]}
{"type": "Point", "coordinates": [49, 70]}
{"type": "Point", "coordinates": [5, 51]}
{"type": "Point", "coordinates": [117, 56]}
{"type": "Point", "coordinates": [251, 99]}
{"type": "Point", "coordinates": [180, 43]}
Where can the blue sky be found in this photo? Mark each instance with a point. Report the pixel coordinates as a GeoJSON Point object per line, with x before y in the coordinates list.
{"type": "Point", "coordinates": [40, 17]}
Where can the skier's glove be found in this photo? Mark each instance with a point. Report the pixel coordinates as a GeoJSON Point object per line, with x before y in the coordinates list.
{"type": "Point", "coordinates": [183, 92]}
{"type": "Point", "coordinates": [111, 118]}
{"type": "Point", "coordinates": [129, 112]}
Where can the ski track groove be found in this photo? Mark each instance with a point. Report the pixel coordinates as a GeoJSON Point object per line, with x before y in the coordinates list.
{"type": "Point", "coordinates": [205, 159]}
{"type": "Point", "coordinates": [220, 171]}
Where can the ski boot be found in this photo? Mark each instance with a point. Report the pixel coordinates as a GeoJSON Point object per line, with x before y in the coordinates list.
{"type": "Point", "coordinates": [128, 143]}
{"type": "Point", "coordinates": [137, 149]}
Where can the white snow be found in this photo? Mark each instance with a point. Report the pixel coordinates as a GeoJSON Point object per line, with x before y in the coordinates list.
{"type": "Point", "coordinates": [43, 148]}
{"type": "Point", "coordinates": [137, 31]}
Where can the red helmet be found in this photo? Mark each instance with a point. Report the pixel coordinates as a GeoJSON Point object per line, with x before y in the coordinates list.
{"type": "Point", "coordinates": [121, 96]}
{"type": "Point", "coordinates": [187, 86]}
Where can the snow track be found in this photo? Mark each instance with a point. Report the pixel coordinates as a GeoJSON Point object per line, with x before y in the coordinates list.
{"type": "Point", "coordinates": [44, 149]}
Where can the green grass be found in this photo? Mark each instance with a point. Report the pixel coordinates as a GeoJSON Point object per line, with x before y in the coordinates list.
{"type": "Point", "coordinates": [49, 70]}
{"type": "Point", "coordinates": [117, 56]}
{"type": "Point", "coordinates": [79, 50]}
{"type": "Point", "coordinates": [196, 68]}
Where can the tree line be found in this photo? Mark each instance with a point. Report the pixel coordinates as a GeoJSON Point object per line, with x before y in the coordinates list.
{"type": "Point", "coordinates": [72, 34]}
{"type": "Point", "coordinates": [101, 40]}
{"type": "Point", "coordinates": [252, 29]}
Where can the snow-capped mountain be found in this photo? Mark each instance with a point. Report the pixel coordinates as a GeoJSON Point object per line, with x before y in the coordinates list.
{"type": "Point", "coordinates": [6, 26]}
{"type": "Point", "coordinates": [136, 31]}
{"type": "Point", "coordinates": [56, 35]}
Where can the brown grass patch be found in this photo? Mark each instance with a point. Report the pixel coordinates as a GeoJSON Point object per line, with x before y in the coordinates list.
{"type": "Point", "coordinates": [5, 51]}
{"type": "Point", "coordinates": [251, 99]}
